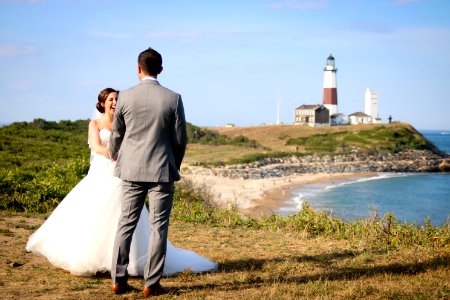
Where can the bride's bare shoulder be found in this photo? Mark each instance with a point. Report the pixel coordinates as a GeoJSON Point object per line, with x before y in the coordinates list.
{"type": "Point", "coordinates": [94, 124]}
{"type": "Point", "coordinates": [94, 127]}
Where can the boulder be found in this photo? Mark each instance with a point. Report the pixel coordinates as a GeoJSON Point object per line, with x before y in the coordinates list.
{"type": "Point", "coordinates": [445, 165]}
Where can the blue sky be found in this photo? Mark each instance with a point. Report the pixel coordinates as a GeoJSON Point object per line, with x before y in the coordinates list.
{"type": "Point", "coordinates": [230, 60]}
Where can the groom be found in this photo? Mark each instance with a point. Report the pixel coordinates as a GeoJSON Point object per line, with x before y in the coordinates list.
{"type": "Point", "coordinates": [149, 129]}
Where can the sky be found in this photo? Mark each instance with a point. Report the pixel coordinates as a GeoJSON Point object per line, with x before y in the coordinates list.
{"type": "Point", "coordinates": [232, 61]}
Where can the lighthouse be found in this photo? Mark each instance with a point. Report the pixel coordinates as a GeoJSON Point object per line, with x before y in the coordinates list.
{"type": "Point", "coordinates": [329, 86]}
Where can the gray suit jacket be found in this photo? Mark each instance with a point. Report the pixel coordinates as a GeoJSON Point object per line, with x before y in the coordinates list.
{"type": "Point", "coordinates": [149, 134]}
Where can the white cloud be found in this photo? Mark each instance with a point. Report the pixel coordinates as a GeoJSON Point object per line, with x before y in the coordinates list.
{"type": "Point", "coordinates": [7, 50]}
{"type": "Point", "coordinates": [299, 4]}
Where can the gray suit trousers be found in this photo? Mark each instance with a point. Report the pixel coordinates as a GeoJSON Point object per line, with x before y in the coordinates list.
{"type": "Point", "coordinates": [160, 204]}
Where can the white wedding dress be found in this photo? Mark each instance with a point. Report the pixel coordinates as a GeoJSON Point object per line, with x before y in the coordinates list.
{"type": "Point", "coordinates": [79, 234]}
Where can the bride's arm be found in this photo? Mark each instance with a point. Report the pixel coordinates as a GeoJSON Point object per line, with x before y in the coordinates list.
{"type": "Point", "coordinates": [94, 139]}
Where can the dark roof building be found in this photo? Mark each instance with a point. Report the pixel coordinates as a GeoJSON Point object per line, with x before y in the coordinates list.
{"type": "Point", "coordinates": [312, 115]}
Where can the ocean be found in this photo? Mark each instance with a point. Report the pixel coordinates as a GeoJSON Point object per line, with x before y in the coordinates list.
{"type": "Point", "coordinates": [411, 197]}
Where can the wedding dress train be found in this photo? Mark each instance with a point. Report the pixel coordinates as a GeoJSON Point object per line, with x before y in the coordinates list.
{"type": "Point", "coordinates": [79, 235]}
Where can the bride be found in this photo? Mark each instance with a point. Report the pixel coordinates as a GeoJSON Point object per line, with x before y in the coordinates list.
{"type": "Point", "coordinates": [79, 234]}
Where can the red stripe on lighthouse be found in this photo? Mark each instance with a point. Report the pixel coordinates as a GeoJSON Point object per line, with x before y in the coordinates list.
{"type": "Point", "coordinates": [330, 96]}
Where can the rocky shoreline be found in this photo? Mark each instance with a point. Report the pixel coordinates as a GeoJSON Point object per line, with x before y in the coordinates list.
{"type": "Point", "coordinates": [404, 162]}
{"type": "Point", "coordinates": [261, 187]}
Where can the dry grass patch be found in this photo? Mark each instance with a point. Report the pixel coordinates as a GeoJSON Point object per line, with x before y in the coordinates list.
{"type": "Point", "coordinates": [275, 136]}
{"type": "Point", "coordinates": [276, 140]}
{"type": "Point", "coordinates": [253, 264]}
{"type": "Point", "coordinates": [199, 153]}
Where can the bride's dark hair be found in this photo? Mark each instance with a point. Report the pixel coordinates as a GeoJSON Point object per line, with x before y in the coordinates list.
{"type": "Point", "coordinates": [102, 96]}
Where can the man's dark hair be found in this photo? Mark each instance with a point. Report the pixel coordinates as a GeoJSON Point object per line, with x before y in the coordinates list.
{"type": "Point", "coordinates": [150, 61]}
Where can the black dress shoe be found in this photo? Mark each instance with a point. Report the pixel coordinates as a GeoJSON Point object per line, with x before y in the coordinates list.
{"type": "Point", "coordinates": [155, 290]}
{"type": "Point", "coordinates": [121, 288]}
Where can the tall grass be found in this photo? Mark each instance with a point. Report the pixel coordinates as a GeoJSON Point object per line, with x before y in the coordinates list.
{"type": "Point", "coordinates": [42, 191]}
{"type": "Point", "coordinates": [193, 204]}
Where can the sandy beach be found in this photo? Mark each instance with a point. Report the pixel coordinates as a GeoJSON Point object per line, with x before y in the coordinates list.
{"type": "Point", "coordinates": [256, 197]}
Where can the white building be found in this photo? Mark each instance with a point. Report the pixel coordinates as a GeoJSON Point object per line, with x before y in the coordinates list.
{"type": "Point", "coordinates": [371, 103]}
{"type": "Point", "coordinates": [360, 118]}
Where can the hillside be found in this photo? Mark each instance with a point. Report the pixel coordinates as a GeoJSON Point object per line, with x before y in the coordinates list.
{"type": "Point", "coordinates": [41, 161]}
{"type": "Point", "coordinates": [284, 140]}
{"type": "Point", "coordinates": [275, 136]}
{"type": "Point", "coordinates": [42, 143]}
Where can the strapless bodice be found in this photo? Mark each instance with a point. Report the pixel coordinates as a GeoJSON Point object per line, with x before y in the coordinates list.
{"type": "Point", "coordinates": [99, 163]}
{"type": "Point", "coordinates": [104, 136]}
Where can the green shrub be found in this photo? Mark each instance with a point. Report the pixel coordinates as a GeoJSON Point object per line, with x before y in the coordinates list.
{"type": "Point", "coordinates": [197, 135]}
{"type": "Point", "coordinates": [39, 144]}
{"type": "Point", "coordinates": [378, 139]}
{"type": "Point", "coordinates": [41, 191]}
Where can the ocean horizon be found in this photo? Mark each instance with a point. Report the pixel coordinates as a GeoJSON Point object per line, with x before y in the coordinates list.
{"type": "Point", "coordinates": [411, 197]}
